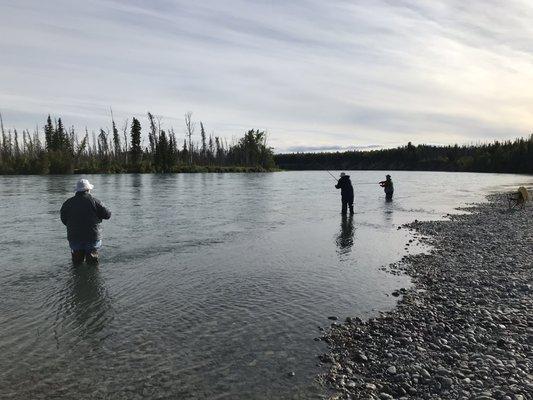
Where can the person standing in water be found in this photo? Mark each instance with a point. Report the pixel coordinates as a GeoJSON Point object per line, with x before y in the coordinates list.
{"type": "Point", "coordinates": [345, 185]}
{"type": "Point", "coordinates": [388, 186]}
{"type": "Point", "coordinates": [82, 215]}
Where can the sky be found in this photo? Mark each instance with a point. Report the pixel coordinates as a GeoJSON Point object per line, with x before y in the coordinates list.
{"type": "Point", "coordinates": [317, 75]}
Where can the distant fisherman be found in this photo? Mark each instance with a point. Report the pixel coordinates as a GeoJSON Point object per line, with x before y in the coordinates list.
{"type": "Point", "coordinates": [82, 214]}
{"type": "Point", "coordinates": [345, 185]}
{"type": "Point", "coordinates": [388, 186]}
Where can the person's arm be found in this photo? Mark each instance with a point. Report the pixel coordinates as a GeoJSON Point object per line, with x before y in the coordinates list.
{"type": "Point", "coordinates": [338, 185]}
{"type": "Point", "coordinates": [102, 211]}
{"type": "Point", "coordinates": [63, 213]}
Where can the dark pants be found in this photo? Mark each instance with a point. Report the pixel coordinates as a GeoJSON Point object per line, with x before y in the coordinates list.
{"type": "Point", "coordinates": [388, 195]}
{"type": "Point", "coordinates": [345, 204]}
{"type": "Point", "coordinates": [91, 257]}
{"type": "Point", "coordinates": [87, 251]}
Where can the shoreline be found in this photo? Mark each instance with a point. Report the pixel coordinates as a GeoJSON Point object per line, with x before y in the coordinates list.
{"type": "Point", "coordinates": [463, 330]}
{"type": "Point", "coordinates": [181, 170]}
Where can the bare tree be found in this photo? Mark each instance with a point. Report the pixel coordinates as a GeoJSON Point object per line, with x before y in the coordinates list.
{"type": "Point", "coordinates": [190, 126]}
{"type": "Point", "coordinates": [125, 133]}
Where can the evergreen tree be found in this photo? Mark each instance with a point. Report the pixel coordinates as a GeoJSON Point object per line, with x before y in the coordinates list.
{"type": "Point", "coordinates": [135, 147]}
{"type": "Point", "coordinates": [185, 152]}
{"type": "Point", "coordinates": [211, 149]}
{"type": "Point", "coordinates": [58, 136]}
{"type": "Point", "coordinates": [204, 144]}
{"type": "Point", "coordinates": [116, 140]}
{"type": "Point", "coordinates": [49, 133]}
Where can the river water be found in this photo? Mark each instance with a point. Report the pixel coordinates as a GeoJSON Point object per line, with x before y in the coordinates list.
{"type": "Point", "coordinates": [209, 285]}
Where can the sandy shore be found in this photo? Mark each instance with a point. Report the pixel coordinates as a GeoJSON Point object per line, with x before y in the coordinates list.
{"type": "Point", "coordinates": [465, 328]}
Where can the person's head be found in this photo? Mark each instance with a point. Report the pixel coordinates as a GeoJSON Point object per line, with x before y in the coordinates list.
{"type": "Point", "coordinates": [343, 174]}
{"type": "Point", "coordinates": [387, 177]}
{"type": "Point", "coordinates": [83, 185]}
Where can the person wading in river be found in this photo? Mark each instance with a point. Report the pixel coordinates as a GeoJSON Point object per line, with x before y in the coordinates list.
{"type": "Point", "coordinates": [345, 185]}
{"type": "Point", "coordinates": [388, 186]}
{"type": "Point", "coordinates": [82, 215]}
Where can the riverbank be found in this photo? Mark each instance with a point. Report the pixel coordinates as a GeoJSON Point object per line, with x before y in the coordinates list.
{"type": "Point", "coordinates": [465, 328]}
{"type": "Point", "coordinates": [182, 169]}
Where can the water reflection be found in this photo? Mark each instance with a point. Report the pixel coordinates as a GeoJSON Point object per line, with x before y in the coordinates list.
{"type": "Point", "coordinates": [88, 299]}
{"type": "Point", "coordinates": [388, 208]}
{"type": "Point", "coordinates": [345, 239]}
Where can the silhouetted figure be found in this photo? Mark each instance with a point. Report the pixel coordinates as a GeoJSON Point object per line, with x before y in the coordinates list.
{"type": "Point", "coordinates": [82, 215]}
{"type": "Point", "coordinates": [345, 185]}
{"type": "Point", "coordinates": [344, 240]}
{"type": "Point", "coordinates": [388, 186]}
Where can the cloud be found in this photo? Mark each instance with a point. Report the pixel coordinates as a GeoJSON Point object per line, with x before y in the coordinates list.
{"type": "Point", "coordinates": [314, 74]}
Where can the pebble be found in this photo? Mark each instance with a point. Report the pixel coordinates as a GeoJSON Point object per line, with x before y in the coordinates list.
{"type": "Point", "coordinates": [463, 331]}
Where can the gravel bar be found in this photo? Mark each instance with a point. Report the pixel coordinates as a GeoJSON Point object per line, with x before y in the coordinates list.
{"type": "Point", "coordinates": [464, 330]}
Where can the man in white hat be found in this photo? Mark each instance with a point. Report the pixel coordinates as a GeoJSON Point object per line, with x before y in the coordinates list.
{"type": "Point", "coordinates": [82, 215]}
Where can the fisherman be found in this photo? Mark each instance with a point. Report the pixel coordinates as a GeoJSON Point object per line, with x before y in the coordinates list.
{"type": "Point", "coordinates": [388, 186]}
{"type": "Point", "coordinates": [82, 215]}
{"type": "Point", "coordinates": [345, 185]}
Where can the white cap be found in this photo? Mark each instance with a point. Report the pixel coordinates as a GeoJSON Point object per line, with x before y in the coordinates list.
{"type": "Point", "coordinates": [83, 185]}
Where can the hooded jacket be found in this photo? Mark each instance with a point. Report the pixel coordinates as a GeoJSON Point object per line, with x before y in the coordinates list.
{"type": "Point", "coordinates": [82, 215]}
{"type": "Point", "coordinates": [345, 185]}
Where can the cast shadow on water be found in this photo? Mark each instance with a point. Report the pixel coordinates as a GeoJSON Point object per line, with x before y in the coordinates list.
{"type": "Point", "coordinates": [345, 238]}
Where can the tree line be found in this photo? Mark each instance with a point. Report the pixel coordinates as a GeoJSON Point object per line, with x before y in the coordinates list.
{"type": "Point", "coordinates": [56, 149]}
{"type": "Point", "coordinates": [508, 156]}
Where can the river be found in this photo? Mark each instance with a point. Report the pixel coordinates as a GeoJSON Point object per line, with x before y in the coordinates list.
{"type": "Point", "coordinates": [209, 285]}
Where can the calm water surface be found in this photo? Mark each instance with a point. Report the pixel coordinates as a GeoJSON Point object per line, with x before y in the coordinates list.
{"type": "Point", "coordinates": [209, 286]}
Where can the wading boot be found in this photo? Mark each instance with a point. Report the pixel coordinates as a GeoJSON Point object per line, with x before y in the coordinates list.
{"type": "Point", "coordinates": [92, 257]}
{"type": "Point", "coordinates": [78, 257]}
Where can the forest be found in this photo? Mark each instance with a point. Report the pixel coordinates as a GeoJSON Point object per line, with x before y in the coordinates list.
{"type": "Point", "coordinates": [56, 149]}
{"type": "Point", "coordinates": [508, 156]}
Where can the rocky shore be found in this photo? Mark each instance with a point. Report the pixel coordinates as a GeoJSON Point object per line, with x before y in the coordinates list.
{"type": "Point", "coordinates": [464, 330]}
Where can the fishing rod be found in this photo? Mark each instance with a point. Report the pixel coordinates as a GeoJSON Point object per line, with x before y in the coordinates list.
{"type": "Point", "coordinates": [333, 176]}
{"type": "Point", "coordinates": [356, 183]}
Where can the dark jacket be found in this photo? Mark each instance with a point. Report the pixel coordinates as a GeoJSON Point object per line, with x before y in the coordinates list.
{"type": "Point", "coordinates": [82, 215]}
{"type": "Point", "coordinates": [345, 185]}
{"type": "Point", "coordinates": [387, 185]}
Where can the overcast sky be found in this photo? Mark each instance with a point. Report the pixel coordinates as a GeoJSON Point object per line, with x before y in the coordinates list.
{"type": "Point", "coordinates": [316, 74]}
